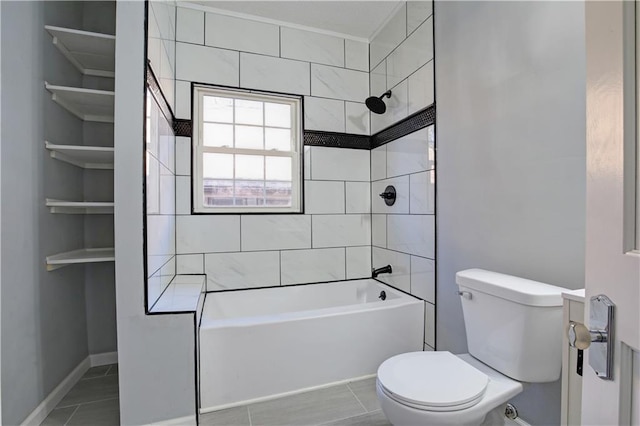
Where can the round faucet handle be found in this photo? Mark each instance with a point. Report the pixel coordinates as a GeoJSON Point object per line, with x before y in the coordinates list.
{"type": "Point", "coordinates": [579, 335]}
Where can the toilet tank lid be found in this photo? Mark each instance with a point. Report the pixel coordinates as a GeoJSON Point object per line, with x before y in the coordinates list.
{"type": "Point", "coordinates": [519, 290]}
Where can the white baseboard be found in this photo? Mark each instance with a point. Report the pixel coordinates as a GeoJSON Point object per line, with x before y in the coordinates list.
{"type": "Point", "coordinates": [181, 421]}
{"type": "Point", "coordinates": [42, 411]}
{"type": "Point", "coordinates": [105, 358]}
{"type": "Point", "coordinates": [53, 399]}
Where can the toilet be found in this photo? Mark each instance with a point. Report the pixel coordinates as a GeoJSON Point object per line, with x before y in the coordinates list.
{"type": "Point", "coordinates": [514, 336]}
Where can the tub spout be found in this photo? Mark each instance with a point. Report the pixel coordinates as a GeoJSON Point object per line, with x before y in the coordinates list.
{"type": "Point", "coordinates": [384, 270]}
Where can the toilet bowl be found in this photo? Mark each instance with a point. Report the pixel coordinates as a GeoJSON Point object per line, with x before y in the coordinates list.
{"type": "Point", "coordinates": [439, 388]}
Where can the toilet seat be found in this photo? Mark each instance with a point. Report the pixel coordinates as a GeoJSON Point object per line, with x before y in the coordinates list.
{"type": "Point", "coordinates": [432, 381]}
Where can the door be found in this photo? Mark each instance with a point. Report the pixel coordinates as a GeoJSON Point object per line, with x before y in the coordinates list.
{"type": "Point", "coordinates": [613, 213]}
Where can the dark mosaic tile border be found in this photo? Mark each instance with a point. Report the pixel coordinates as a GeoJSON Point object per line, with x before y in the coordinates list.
{"type": "Point", "coordinates": [182, 127]}
{"type": "Point", "coordinates": [156, 91]}
{"type": "Point", "coordinates": [335, 140]}
{"type": "Point", "coordinates": [417, 121]}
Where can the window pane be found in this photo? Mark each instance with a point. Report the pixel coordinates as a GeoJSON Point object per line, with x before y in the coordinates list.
{"type": "Point", "coordinates": [248, 112]}
{"type": "Point", "coordinates": [279, 168]}
{"type": "Point", "coordinates": [278, 194]}
{"type": "Point", "coordinates": [278, 115]}
{"type": "Point", "coordinates": [217, 166]}
{"type": "Point", "coordinates": [250, 167]}
{"type": "Point", "coordinates": [249, 193]}
{"type": "Point", "coordinates": [218, 192]}
{"type": "Point", "coordinates": [217, 109]}
{"type": "Point", "coordinates": [217, 134]}
{"type": "Point", "coordinates": [279, 139]}
{"type": "Point", "coordinates": [249, 137]}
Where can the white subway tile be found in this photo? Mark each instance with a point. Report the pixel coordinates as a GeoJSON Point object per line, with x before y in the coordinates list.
{"type": "Point", "coordinates": [412, 153]}
{"type": "Point", "coordinates": [413, 234]}
{"type": "Point", "coordinates": [393, 33]}
{"type": "Point", "coordinates": [358, 262]}
{"type": "Point", "coordinates": [423, 278]}
{"type": "Point", "coordinates": [396, 109]}
{"type": "Point", "coordinates": [310, 266]}
{"type": "Point", "coordinates": [242, 270]}
{"type": "Point", "coordinates": [417, 13]}
{"type": "Point", "coordinates": [190, 26]}
{"type": "Point", "coordinates": [208, 234]}
{"type": "Point", "coordinates": [324, 197]}
{"type": "Point", "coordinates": [312, 47]}
{"type": "Point", "coordinates": [378, 80]}
{"type": "Point", "coordinates": [356, 55]}
{"type": "Point", "coordinates": [324, 114]}
{"type": "Point", "coordinates": [422, 192]}
{"type": "Point", "coordinates": [430, 324]}
{"type": "Point", "coordinates": [421, 86]}
{"type": "Point", "coordinates": [339, 83]}
{"type": "Point", "coordinates": [190, 264]}
{"type": "Point", "coordinates": [339, 164]}
{"type": "Point", "coordinates": [153, 185]}
{"type": "Point", "coordinates": [274, 74]}
{"type": "Point", "coordinates": [307, 162]}
{"type": "Point", "coordinates": [358, 197]}
{"type": "Point", "coordinates": [341, 230]}
{"type": "Point", "coordinates": [207, 64]}
{"type": "Point", "coordinates": [357, 118]}
{"type": "Point", "coordinates": [242, 34]}
{"type": "Point", "coordinates": [413, 53]}
{"type": "Point", "coordinates": [401, 206]}
{"type": "Point", "coordinates": [183, 99]}
{"type": "Point", "coordinates": [400, 265]}
{"type": "Point", "coordinates": [427, 348]}
{"type": "Point", "coordinates": [276, 232]}
{"type": "Point", "coordinates": [379, 230]}
{"type": "Point", "coordinates": [167, 192]}
{"type": "Point", "coordinates": [161, 236]}
{"type": "Point", "coordinates": [183, 194]}
{"type": "Point", "coordinates": [183, 156]}
{"type": "Point", "coordinates": [379, 163]}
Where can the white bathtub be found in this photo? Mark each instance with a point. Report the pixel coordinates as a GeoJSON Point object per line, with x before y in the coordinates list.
{"type": "Point", "coordinates": [264, 343]}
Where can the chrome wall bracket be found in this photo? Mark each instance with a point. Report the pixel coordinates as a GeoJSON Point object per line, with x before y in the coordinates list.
{"type": "Point", "coordinates": [601, 317]}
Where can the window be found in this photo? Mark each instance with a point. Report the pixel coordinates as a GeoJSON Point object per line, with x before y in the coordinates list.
{"type": "Point", "coordinates": [247, 152]}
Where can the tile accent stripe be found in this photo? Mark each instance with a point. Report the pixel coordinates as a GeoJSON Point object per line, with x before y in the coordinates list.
{"type": "Point", "coordinates": [154, 88]}
{"type": "Point", "coordinates": [336, 140]}
{"type": "Point", "coordinates": [414, 122]}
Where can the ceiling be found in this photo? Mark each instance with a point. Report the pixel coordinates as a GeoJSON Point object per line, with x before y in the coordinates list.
{"type": "Point", "coordinates": [359, 19]}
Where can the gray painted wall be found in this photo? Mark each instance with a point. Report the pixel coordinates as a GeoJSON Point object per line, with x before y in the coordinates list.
{"type": "Point", "coordinates": [510, 93]}
{"type": "Point", "coordinates": [44, 334]}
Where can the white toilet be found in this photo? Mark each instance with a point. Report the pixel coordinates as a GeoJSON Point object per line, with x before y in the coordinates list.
{"type": "Point", "coordinates": [514, 335]}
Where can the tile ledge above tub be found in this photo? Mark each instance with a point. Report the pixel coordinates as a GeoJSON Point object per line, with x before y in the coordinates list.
{"type": "Point", "coordinates": [183, 294]}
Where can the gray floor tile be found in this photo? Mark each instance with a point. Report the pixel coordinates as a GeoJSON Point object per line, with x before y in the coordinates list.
{"type": "Point", "coordinates": [95, 389]}
{"type": "Point", "coordinates": [237, 416]}
{"type": "Point", "coordinates": [113, 371]}
{"type": "Point", "coordinates": [309, 408]}
{"type": "Point", "coordinates": [96, 372]}
{"type": "Point", "coordinates": [59, 416]}
{"type": "Point", "coordinates": [101, 413]}
{"type": "Point", "coordinates": [375, 418]}
{"type": "Point", "coordinates": [365, 391]}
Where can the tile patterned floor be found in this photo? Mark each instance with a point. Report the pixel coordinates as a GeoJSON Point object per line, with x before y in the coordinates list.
{"type": "Point", "coordinates": [93, 401]}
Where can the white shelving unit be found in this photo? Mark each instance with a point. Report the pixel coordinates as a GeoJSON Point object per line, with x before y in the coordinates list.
{"type": "Point", "coordinates": [92, 53]}
{"type": "Point", "coordinates": [91, 255]}
{"type": "Point", "coordinates": [86, 157]}
{"type": "Point", "coordinates": [79, 207]}
{"type": "Point", "coordinates": [86, 104]}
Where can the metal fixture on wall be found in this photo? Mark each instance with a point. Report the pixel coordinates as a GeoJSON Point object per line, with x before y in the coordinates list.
{"type": "Point", "coordinates": [389, 195]}
{"type": "Point", "coordinates": [376, 104]}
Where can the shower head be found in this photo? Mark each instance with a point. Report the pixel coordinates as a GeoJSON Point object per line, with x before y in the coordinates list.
{"type": "Point", "coordinates": [376, 104]}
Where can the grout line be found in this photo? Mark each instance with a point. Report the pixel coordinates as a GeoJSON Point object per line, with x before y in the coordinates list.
{"type": "Point", "coordinates": [72, 414]}
{"type": "Point", "coordinates": [357, 399]}
{"type": "Point", "coordinates": [88, 402]}
{"type": "Point", "coordinates": [249, 414]}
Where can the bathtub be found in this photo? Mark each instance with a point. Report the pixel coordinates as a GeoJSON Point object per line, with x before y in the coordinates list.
{"type": "Point", "coordinates": [264, 343]}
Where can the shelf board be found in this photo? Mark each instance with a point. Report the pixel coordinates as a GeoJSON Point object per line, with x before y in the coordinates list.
{"type": "Point", "coordinates": [86, 157]}
{"type": "Point", "coordinates": [92, 255]}
{"type": "Point", "coordinates": [86, 104]}
{"type": "Point", "coordinates": [79, 207]}
{"type": "Point", "coordinates": [92, 53]}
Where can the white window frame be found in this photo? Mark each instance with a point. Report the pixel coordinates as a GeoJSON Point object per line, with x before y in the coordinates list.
{"type": "Point", "coordinates": [199, 149]}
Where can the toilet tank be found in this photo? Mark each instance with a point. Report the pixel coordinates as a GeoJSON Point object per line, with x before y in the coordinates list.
{"type": "Point", "coordinates": [514, 325]}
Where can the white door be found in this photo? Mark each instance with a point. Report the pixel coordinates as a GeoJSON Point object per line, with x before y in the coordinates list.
{"type": "Point", "coordinates": [613, 213]}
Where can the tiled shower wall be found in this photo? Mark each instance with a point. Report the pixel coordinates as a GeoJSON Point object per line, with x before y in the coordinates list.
{"type": "Point", "coordinates": [160, 154]}
{"type": "Point", "coordinates": [332, 240]}
{"type": "Point", "coordinates": [403, 235]}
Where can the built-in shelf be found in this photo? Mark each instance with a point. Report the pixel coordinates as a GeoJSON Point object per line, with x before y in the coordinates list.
{"type": "Point", "coordinates": [79, 207]}
{"type": "Point", "coordinates": [86, 104]}
{"type": "Point", "coordinates": [87, 157]}
{"type": "Point", "coordinates": [92, 255]}
{"type": "Point", "coordinates": [92, 53]}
